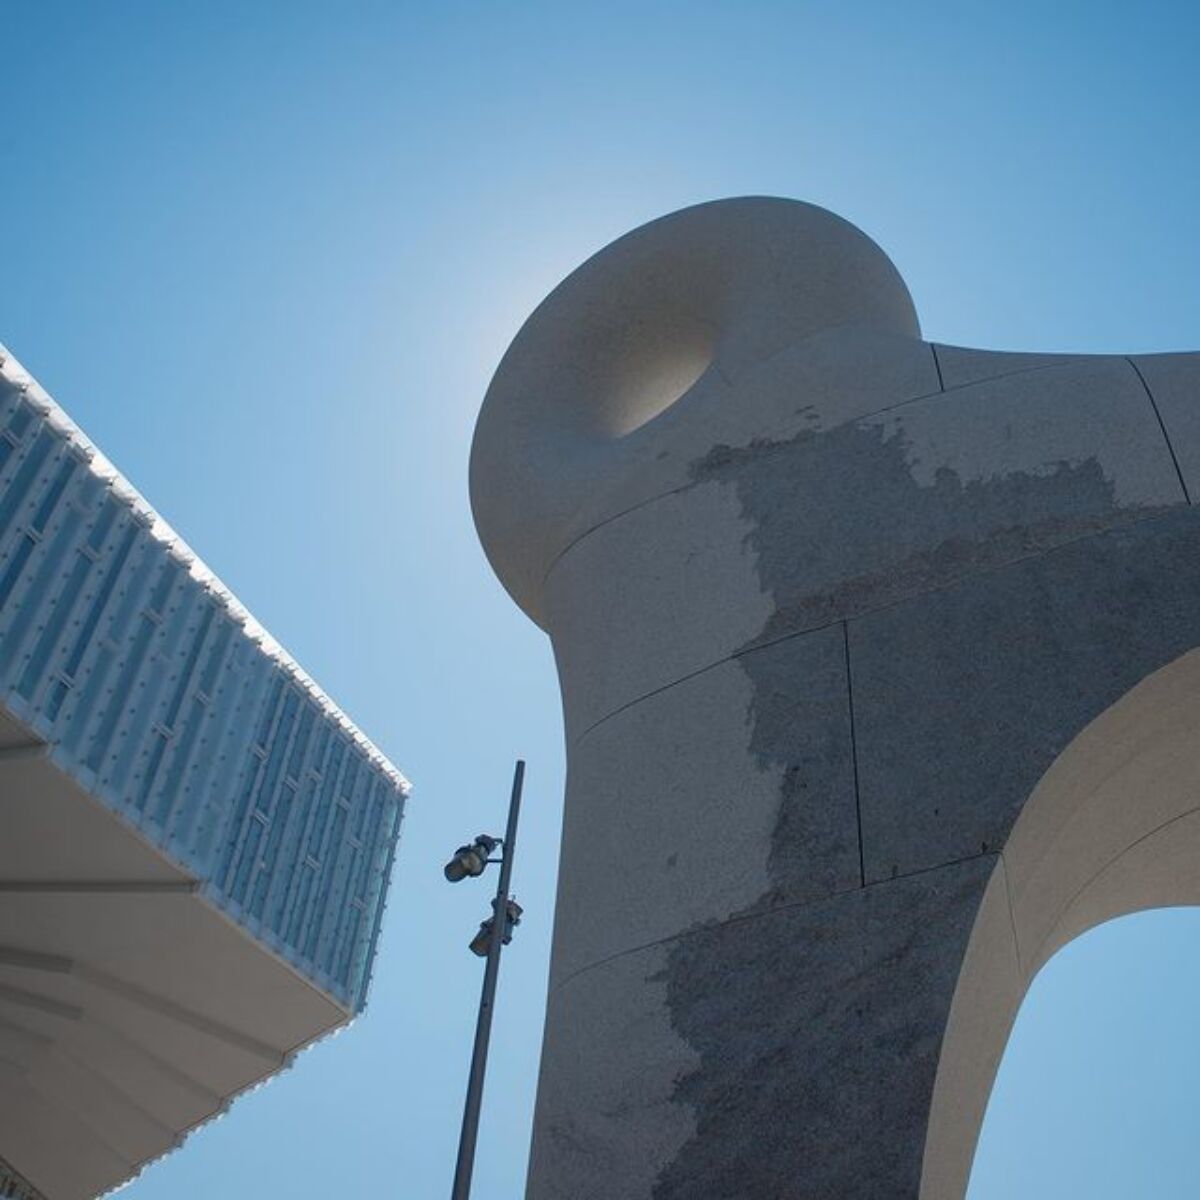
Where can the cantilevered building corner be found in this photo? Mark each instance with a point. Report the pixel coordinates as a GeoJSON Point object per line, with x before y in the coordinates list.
{"type": "Point", "coordinates": [195, 842]}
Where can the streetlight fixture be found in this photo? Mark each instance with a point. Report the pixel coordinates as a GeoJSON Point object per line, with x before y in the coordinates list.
{"type": "Point", "coordinates": [470, 862]}
{"type": "Point", "coordinates": [481, 943]}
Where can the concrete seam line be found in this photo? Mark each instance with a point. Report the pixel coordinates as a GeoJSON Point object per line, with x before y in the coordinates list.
{"type": "Point", "coordinates": [862, 861]}
{"type": "Point", "coordinates": [1111, 862]}
{"type": "Point", "coordinates": [795, 906]}
{"type": "Point", "coordinates": [949, 585]}
{"type": "Point", "coordinates": [775, 434]}
{"type": "Point", "coordinates": [937, 362]}
{"type": "Point", "coordinates": [1161, 424]}
{"type": "Point", "coordinates": [1012, 916]}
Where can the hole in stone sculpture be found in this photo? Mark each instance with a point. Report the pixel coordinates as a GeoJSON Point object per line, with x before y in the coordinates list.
{"type": "Point", "coordinates": [1096, 1092]}
{"type": "Point", "coordinates": [633, 337]}
{"type": "Point", "coordinates": [652, 383]}
{"type": "Point", "coordinates": [645, 361]}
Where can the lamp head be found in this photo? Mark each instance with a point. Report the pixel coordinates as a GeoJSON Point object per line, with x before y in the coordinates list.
{"type": "Point", "coordinates": [471, 861]}
{"type": "Point", "coordinates": [481, 943]}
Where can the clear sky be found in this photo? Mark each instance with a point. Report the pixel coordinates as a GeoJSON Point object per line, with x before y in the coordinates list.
{"type": "Point", "coordinates": [267, 255]}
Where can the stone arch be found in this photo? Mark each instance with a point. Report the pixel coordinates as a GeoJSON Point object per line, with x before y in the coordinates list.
{"type": "Point", "coordinates": [1112, 828]}
{"type": "Point", "coordinates": [821, 624]}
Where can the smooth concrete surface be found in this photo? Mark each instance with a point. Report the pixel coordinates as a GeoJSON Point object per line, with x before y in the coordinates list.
{"type": "Point", "coordinates": [131, 1009]}
{"type": "Point", "coordinates": [697, 298]}
{"type": "Point", "coordinates": [873, 654]}
{"type": "Point", "coordinates": [962, 365]}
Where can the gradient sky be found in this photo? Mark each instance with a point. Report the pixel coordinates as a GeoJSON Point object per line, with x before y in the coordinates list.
{"type": "Point", "coordinates": [268, 254]}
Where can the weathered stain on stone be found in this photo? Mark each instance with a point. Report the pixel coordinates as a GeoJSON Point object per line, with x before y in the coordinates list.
{"type": "Point", "coordinates": [842, 527]}
{"type": "Point", "coordinates": [828, 549]}
{"type": "Point", "coordinates": [818, 1029]}
{"type": "Point", "coordinates": [965, 698]}
{"type": "Point", "coordinates": [800, 729]}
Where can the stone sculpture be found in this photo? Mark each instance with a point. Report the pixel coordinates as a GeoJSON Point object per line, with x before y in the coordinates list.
{"type": "Point", "coordinates": [879, 686]}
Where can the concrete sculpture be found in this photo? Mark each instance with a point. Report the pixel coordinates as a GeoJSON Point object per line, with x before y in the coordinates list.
{"type": "Point", "coordinates": [879, 683]}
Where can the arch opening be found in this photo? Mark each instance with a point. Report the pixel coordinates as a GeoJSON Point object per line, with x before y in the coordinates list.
{"type": "Point", "coordinates": [1112, 829]}
{"type": "Point", "coordinates": [1095, 1092]}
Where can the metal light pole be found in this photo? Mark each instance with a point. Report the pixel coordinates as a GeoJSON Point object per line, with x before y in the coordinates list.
{"type": "Point", "coordinates": [483, 1026]}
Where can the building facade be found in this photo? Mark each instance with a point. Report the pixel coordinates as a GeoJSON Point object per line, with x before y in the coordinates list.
{"type": "Point", "coordinates": [195, 843]}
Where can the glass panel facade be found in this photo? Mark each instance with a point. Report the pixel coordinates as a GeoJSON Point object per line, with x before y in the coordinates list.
{"type": "Point", "coordinates": [166, 701]}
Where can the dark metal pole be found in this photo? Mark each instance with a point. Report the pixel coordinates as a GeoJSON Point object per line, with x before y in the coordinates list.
{"type": "Point", "coordinates": [483, 1026]}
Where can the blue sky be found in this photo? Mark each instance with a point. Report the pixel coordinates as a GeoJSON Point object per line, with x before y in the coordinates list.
{"type": "Point", "coordinates": [267, 255]}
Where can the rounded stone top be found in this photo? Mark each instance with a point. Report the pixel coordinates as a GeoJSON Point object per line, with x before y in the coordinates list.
{"type": "Point", "coordinates": [709, 290]}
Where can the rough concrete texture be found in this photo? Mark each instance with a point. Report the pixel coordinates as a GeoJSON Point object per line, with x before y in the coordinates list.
{"type": "Point", "coordinates": [827, 602]}
{"type": "Point", "coordinates": [697, 598]}
{"type": "Point", "coordinates": [607, 1116]}
{"type": "Point", "coordinates": [963, 700]}
{"type": "Point", "coordinates": [670, 833]}
{"type": "Point", "coordinates": [789, 1053]}
{"type": "Point", "coordinates": [1112, 827]}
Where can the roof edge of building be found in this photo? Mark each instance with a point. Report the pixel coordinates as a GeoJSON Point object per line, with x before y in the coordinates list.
{"type": "Point", "coordinates": [15, 374]}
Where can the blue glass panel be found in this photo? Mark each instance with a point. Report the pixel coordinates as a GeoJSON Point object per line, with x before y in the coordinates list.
{"type": "Point", "coordinates": [185, 676]}
{"type": "Point", "coordinates": [21, 419]}
{"type": "Point", "coordinates": [54, 493]}
{"type": "Point", "coordinates": [179, 762]}
{"type": "Point", "coordinates": [104, 524]}
{"type": "Point", "coordinates": [53, 628]}
{"type": "Point", "coordinates": [15, 493]}
{"type": "Point", "coordinates": [100, 603]}
{"type": "Point", "coordinates": [45, 574]}
{"type": "Point", "coordinates": [16, 565]}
